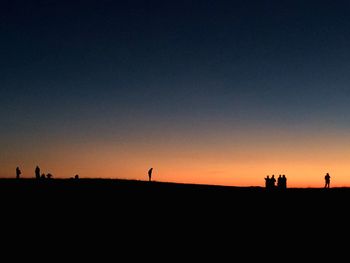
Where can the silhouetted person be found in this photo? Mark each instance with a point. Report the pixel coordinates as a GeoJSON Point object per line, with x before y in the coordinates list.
{"type": "Point", "coordinates": [327, 179]}
{"type": "Point", "coordinates": [76, 176]}
{"type": "Point", "coordinates": [284, 182]}
{"type": "Point", "coordinates": [18, 172]}
{"type": "Point", "coordinates": [43, 176]}
{"type": "Point", "coordinates": [267, 182]}
{"type": "Point", "coordinates": [37, 172]}
{"type": "Point", "coordinates": [150, 174]}
{"type": "Point", "coordinates": [272, 181]}
{"type": "Point", "coordinates": [279, 182]}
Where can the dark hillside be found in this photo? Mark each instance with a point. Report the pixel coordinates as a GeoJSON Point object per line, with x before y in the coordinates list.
{"type": "Point", "coordinates": [112, 195]}
{"type": "Point", "coordinates": [168, 216]}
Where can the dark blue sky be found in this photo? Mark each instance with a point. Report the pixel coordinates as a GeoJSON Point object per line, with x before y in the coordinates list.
{"type": "Point", "coordinates": [179, 56]}
{"type": "Point", "coordinates": [124, 68]}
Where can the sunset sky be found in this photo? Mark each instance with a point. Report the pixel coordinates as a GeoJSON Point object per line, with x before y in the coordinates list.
{"type": "Point", "coordinates": [207, 92]}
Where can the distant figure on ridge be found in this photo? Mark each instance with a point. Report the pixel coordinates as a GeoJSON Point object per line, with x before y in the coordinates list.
{"type": "Point", "coordinates": [284, 181]}
{"type": "Point", "coordinates": [18, 172]}
{"type": "Point", "coordinates": [327, 179]}
{"type": "Point", "coordinates": [76, 176]}
{"type": "Point", "coordinates": [280, 182]}
{"type": "Point", "coordinates": [150, 174]}
{"type": "Point", "coordinates": [267, 182]}
{"type": "Point", "coordinates": [273, 182]}
{"type": "Point", "coordinates": [37, 172]}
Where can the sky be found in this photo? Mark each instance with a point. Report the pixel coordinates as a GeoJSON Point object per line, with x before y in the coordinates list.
{"type": "Point", "coordinates": [207, 92]}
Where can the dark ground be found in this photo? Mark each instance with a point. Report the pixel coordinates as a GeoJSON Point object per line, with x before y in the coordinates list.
{"type": "Point", "coordinates": [111, 195]}
{"type": "Point", "coordinates": [156, 215]}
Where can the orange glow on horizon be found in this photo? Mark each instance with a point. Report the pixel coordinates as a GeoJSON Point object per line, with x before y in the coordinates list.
{"type": "Point", "coordinates": [219, 161]}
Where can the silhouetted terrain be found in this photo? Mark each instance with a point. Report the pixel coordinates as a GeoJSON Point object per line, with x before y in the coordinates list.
{"type": "Point", "coordinates": [147, 214]}
{"type": "Point", "coordinates": [110, 196]}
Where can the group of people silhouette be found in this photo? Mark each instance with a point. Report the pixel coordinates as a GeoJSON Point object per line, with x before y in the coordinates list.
{"type": "Point", "coordinates": [270, 182]}
{"type": "Point", "coordinates": [38, 175]}
{"type": "Point", "coordinates": [42, 175]}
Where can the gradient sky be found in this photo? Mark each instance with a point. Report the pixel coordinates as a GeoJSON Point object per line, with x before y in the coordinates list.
{"type": "Point", "coordinates": [212, 92]}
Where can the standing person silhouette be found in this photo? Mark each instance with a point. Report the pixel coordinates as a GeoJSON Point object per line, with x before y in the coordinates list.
{"type": "Point", "coordinates": [18, 172]}
{"type": "Point", "coordinates": [37, 172]}
{"type": "Point", "coordinates": [284, 181]}
{"type": "Point", "coordinates": [267, 182]}
{"type": "Point", "coordinates": [273, 181]}
{"type": "Point", "coordinates": [327, 179]}
{"type": "Point", "coordinates": [280, 182]}
{"type": "Point", "coordinates": [150, 174]}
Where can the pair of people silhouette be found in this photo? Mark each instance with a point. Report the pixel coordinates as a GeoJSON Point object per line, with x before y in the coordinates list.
{"type": "Point", "coordinates": [270, 182]}
{"type": "Point", "coordinates": [282, 182]}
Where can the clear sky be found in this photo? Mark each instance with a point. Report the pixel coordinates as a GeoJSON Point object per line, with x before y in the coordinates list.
{"type": "Point", "coordinates": [213, 92]}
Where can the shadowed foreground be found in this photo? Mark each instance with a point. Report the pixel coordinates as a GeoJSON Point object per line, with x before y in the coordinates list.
{"type": "Point", "coordinates": [128, 197]}
{"type": "Point", "coordinates": [132, 213]}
